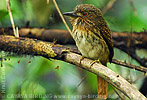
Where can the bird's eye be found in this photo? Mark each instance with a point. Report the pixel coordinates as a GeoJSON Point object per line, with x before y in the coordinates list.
{"type": "Point", "coordinates": [85, 13]}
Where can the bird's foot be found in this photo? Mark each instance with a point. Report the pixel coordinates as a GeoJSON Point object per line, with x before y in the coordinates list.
{"type": "Point", "coordinates": [65, 51]}
{"type": "Point", "coordinates": [81, 59]}
{"type": "Point", "coordinates": [95, 61]}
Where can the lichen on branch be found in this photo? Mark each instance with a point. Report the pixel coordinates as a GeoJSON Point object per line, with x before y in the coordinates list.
{"type": "Point", "coordinates": [26, 46]}
{"type": "Point", "coordinates": [49, 50]}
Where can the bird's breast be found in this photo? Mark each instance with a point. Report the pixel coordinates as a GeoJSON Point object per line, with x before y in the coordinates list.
{"type": "Point", "coordinates": [91, 45]}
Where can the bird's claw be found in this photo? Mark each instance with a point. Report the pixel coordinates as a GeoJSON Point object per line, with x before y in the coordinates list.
{"type": "Point", "coordinates": [81, 59]}
{"type": "Point", "coordinates": [93, 62]}
{"type": "Point", "coordinates": [65, 51]}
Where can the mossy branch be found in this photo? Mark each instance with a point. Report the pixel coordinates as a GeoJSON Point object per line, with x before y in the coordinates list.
{"type": "Point", "coordinates": [120, 40]}
{"type": "Point", "coordinates": [49, 50]}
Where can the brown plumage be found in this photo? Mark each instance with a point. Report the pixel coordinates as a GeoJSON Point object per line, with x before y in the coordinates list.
{"type": "Point", "coordinates": [93, 38]}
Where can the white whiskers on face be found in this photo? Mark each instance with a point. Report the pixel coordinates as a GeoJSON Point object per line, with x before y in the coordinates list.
{"type": "Point", "coordinates": [75, 22]}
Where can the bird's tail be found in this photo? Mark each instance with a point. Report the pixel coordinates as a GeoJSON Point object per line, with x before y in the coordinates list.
{"type": "Point", "coordinates": [102, 88]}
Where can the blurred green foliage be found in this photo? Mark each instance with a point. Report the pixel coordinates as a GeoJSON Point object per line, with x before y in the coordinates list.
{"type": "Point", "coordinates": [37, 77]}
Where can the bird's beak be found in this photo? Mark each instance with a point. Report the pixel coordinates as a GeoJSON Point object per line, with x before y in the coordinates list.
{"type": "Point", "coordinates": [71, 14]}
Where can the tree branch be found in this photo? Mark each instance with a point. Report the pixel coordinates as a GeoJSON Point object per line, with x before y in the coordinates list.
{"type": "Point", "coordinates": [28, 50]}
{"type": "Point", "coordinates": [11, 18]}
{"type": "Point", "coordinates": [120, 40]}
{"type": "Point", "coordinates": [64, 37]}
{"type": "Point", "coordinates": [128, 65]}
{"type": "Point", "coordinates": [48, 50]}
{"type": "Point", "coordinates": [108, 6]}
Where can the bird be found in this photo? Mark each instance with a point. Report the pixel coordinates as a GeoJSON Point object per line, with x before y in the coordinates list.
{"type": "Point", "coordinates": [93, 38]}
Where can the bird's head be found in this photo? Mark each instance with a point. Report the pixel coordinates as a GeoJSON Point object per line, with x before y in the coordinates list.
{"type": "Point", "coordinates": [85, 15]}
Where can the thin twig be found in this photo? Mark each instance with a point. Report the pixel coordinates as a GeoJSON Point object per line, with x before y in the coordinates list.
{"type": "Point", "coordinates": [62, 16]}
{"type": "Point", "coordinates": [116, 92]}
{"type": "Point", "coordinates": [139, 68]}
{"type": "Point", "coordinates": [17, 33]}
{"type": "Point", "coordinates": [48, 1]}
{"type": "Point", "coordinates": [80, 83]}
{"type": "Point", "coordinates": [108, 6]}
{"type": "Point", "coordinates": [133, 7]}
{"type": "Point", "coordinates": [11, 18]}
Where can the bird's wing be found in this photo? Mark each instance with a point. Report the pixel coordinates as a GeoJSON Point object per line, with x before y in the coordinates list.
{"type": "Point", "coordinates": [106, 34]}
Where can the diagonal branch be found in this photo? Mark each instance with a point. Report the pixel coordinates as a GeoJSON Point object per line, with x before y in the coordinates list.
{"type": "Point", "coordinates": [139, 68]}
{"type": "Point", "coordinates": [133, 7]}
{"type": "Point", "coordinates": [63, 37]}
{"type": "Point", "coordinates": [15, 32]}
{"type": "Point", "coordinates": [48, 50]}
{"type": "Point", "coordinates": [108, 6]}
